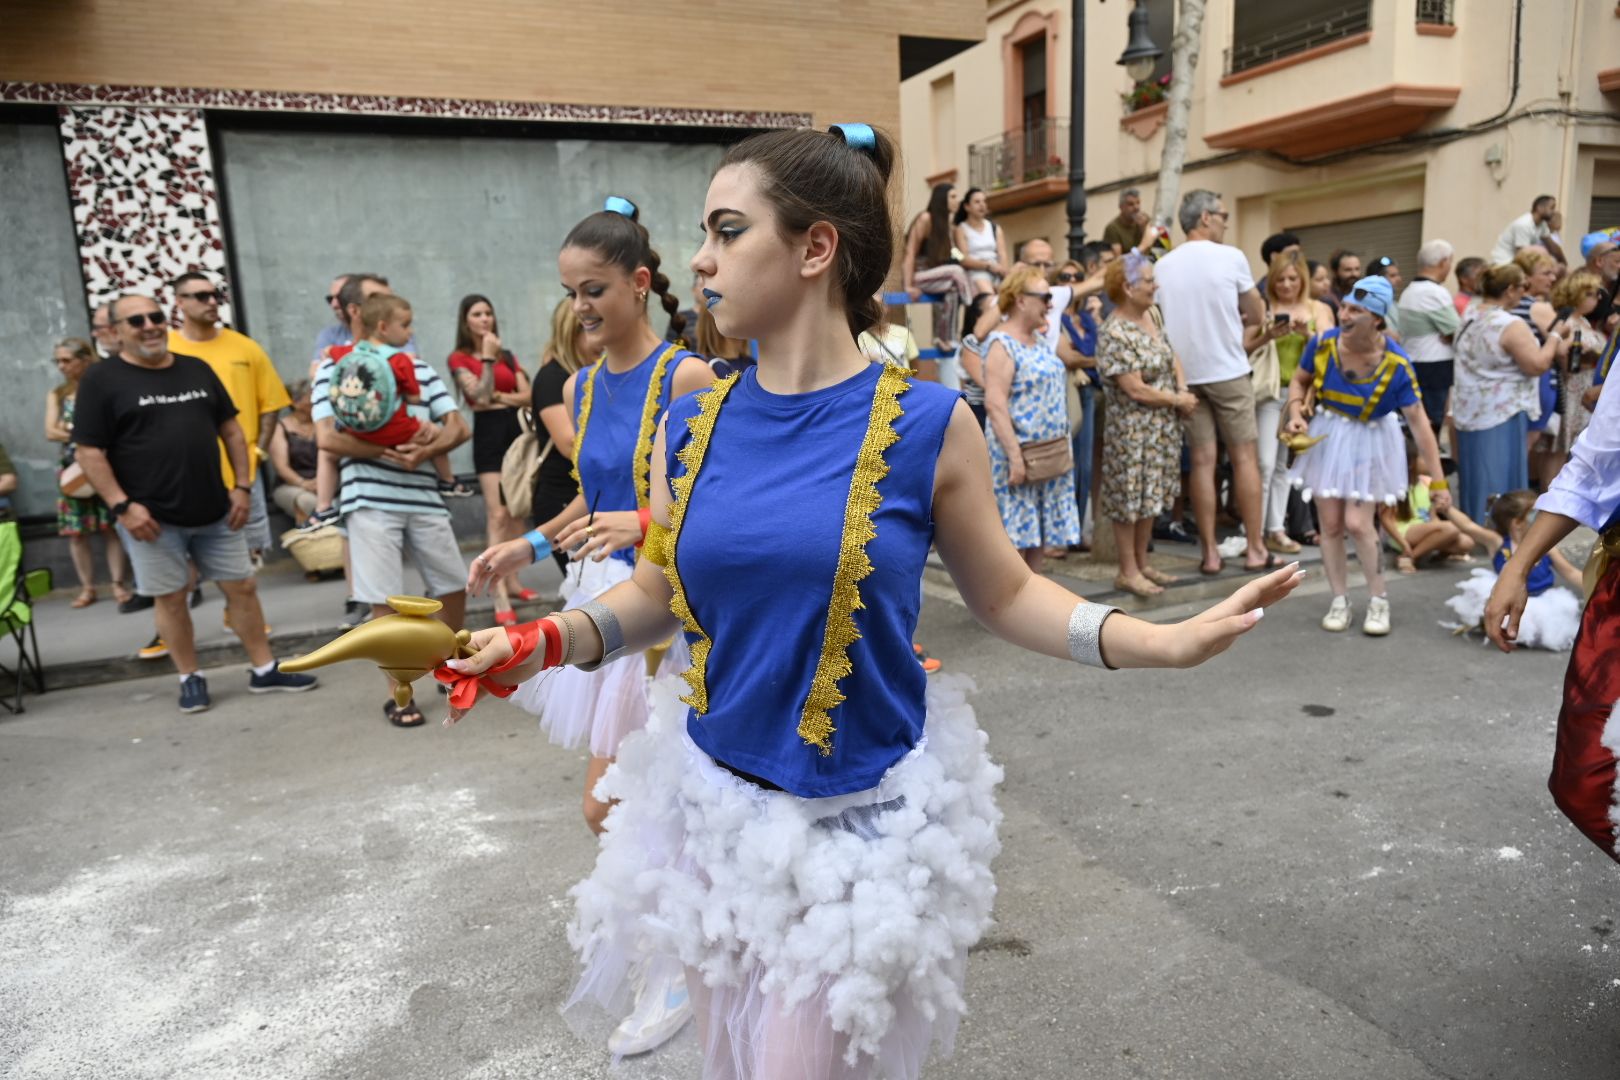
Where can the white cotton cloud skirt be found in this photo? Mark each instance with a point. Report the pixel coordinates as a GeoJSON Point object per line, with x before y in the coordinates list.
{"type": "Point", "coordinates": [1354, 461]}
{"type": "Point", "coordinates": [597, 708]}
{"type": "Point", "coordinates": [1550, 621]}
{"type": "Point", "coordinates": [832, 933]}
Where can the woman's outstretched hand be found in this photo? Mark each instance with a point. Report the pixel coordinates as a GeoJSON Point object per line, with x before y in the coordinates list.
{"type": "Point", "coordinates": [1213, 630]}
{"type": "Point", "coordinates": [490, 648]}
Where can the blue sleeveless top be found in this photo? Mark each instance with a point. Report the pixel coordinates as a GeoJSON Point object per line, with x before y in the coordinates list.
{"type": "Point", "coordinates": [614, 426]}
{"type": "Point", "coordinates": [1541, 577]}
{"type": "Point", "coordinates": [757, 552]}
{"type": "Point", "coordinates": [1391, 386]}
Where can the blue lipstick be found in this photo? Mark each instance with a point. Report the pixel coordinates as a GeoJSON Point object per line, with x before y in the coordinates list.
{"type": "Point", "coordinates": [711, 296]}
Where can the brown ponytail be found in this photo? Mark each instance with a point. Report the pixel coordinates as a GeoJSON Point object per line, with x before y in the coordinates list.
{"type": "Point", "coordinates": [810, 176]}
{"type": "Point", "coordinates": [625, 243]}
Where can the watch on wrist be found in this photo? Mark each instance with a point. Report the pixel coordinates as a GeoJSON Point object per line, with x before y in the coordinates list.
{"type": "Point", "coordinates": [117, 509]}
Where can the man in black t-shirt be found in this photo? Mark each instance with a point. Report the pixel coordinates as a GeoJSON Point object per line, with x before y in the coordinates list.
{"type": "Point", "coordinates": [146, 425]}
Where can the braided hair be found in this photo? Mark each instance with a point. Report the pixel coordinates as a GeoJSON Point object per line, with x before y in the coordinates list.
{"type": "Point", "coordinates": [625, 243]}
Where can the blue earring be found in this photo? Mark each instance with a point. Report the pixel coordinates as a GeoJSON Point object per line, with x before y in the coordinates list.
{"type": "Point", "coordinates": [618, 204]}
{"type": "Point", "coordinates": [857, 136]}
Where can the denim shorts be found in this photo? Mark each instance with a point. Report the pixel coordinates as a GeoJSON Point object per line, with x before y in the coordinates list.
{"type": "Point", "coordinates": [160, 565]}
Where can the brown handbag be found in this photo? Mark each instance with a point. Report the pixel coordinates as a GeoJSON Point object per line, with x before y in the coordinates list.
{"type": "Point", "coordinates": [1047, 459]}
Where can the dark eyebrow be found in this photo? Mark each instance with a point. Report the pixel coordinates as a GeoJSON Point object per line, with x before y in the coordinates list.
{"type": "Point", "coordinates": [716, 215]}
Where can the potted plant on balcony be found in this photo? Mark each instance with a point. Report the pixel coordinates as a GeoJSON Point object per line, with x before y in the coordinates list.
{"type": "Point", "coordinates": [1145, 106]}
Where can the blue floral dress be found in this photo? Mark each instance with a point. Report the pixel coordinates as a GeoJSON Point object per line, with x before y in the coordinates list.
{"type": "Point", "coordinates": [1043, 514]}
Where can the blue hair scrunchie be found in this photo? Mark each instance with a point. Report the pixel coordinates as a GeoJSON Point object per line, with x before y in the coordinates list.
{"type": "Point", "coordinates": [857, 136]}
{"type": "Point", "coordinates": [618, 204]}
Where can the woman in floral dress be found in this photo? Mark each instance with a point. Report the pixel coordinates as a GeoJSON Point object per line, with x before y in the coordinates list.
{"type": "Point", "coordinates": [1146, 395]}
{"type": "Point", "coordinates": [1025, 401]}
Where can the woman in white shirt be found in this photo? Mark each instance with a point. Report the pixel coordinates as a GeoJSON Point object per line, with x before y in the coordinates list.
{"type": "Point", "coordinates": [982, 243]}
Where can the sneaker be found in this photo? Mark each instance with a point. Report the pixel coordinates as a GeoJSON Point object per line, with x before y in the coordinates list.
{"type": "Point", "coordinates": [929, 664]}
{"type": "Point", "coordinates": [1177, 533]}
{"type": "Point", "coordinates": [355, 612]}
{"type": "Point", "coordinates": [320, 519]}
{"type": "Point", "coordinates": [455, 489]}
{"type": "Point", "coordinates": [134, 604]}
{"type": "Point", "coordinates": [275, 680]}
{"type": "Point", "coordinates": [661, 1011]}
{"type": "Point", "coordinates": [194, 694]}
{"type": "Point", "coordinates": [1376, 624]}
{"type": "Point", "coordinates": [1337, 618]}
{"type": "Point", "coordinates": [156, 649]}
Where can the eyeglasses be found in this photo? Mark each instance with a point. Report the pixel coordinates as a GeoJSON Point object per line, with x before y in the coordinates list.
{"type": "Point", "coordinates": [1068, 275]}
{"type": "Point", "coordinates": [1222, 214]}
{"type": "Point", "coordinates": [1044, 297]}
{"type": "Point", "coordinates": [203, 296]}
{"type": "Point", "coordinates": [1040, 265]}
{"type": "Point", "coordinates": [330, 298]}
{"type": "Point", "coordinates": [140, 319]}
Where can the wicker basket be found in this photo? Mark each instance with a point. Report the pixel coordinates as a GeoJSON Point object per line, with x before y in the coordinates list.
{"type": "Point", "coordinates": [318, 551]}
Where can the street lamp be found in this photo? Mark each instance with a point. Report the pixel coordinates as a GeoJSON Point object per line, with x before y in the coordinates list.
{"type": "Point", "coordinates": [1141, 55]}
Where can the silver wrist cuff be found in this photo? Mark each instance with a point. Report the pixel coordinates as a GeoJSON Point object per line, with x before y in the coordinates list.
{"type": "Point", "coordinates": [607, 625]}
{"type": "Point", "coordinates": [1085, 633]}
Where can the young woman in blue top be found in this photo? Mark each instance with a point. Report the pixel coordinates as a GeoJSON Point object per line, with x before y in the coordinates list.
{"type": "Point", "coordinates": [1358, 379]}
{"type": "Point", "coordinates": [810, 839]}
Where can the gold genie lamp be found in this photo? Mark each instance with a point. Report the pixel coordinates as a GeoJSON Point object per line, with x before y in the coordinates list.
{"type": "Point", "coordinates": [1300, 442]}
{"type": "Point", "coordinates": [406, 645]}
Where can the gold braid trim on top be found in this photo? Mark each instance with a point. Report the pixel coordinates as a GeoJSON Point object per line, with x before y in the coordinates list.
{"type": "Point", "coordinates": [815, 724]}
{"type": "Point", "coordinates": [641, 464]}
{"type": "Point", "coordinates": [655, 548]}
{"type": "Point", "coordinates": [585, 402]}
{"type": "Point", "coordinates": [642, 468]}
{"type": "Point", "coordinates": [691, 455]}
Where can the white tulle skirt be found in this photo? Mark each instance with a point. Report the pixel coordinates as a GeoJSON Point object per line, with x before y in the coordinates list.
{"type": "Point", "coordinates": [1354, 461]}
{"type": "Point", "coordinates": [1550, 621]}
{"type": "Point", "coordinates": [597, 708]}
{"type": "Point", "coordinates": [831, 933]}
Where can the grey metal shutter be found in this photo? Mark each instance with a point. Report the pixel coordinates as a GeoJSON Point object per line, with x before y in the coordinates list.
{"type": "Point", "coordinates": [1397, 235]}
{"type": "Point", "coordinates": [1605, 214]}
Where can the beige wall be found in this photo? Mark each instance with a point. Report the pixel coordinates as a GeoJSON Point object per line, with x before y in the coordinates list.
{"type": "Point", "coordinates": [1565, 43]}
{"type": "Point", "coordinates": [837, 60]}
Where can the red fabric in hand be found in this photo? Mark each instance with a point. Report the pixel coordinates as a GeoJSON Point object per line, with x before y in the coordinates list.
{"type": "Point", "coordinates": [524, 639]}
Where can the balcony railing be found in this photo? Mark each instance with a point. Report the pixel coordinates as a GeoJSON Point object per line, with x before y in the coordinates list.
{"type": "Point", "coordinates": [1307, 34]}
{"type": "Point", "coordinates": [1435, 12]}
{"type": "Point", "coordinates": [1020, 156]}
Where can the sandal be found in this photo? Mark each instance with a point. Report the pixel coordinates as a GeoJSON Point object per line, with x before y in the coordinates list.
{"type": "Point", "coordinates": [122, 593]}
{"type": "Point", "coordinates": [1271, 563]}
{"type": "Point", "coordinates": [1137, 586]}
{"type": "Point", "coordinates": [525, 596]}
{"type": "Point", "coordinates": [403, 717]}
{"type": "Point", "coordinates": [1282, 543]}
{"type": "Point", "coordinates": [506, 618]}
{"type": "Point", "coordinates": [1405, 565]}
{"type": "Point", "coordinates": [86, 597]}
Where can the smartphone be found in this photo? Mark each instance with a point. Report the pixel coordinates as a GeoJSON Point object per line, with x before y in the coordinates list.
{"type": "Point", "coordinates": [1281, 320]}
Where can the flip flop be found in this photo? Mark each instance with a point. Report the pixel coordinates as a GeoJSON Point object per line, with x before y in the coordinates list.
{"type": "Point", "coordinates": [1207, 572]}
{"type": "Point", "coordinates": [402, 717]}
{"type": "Point", "coordinates": [1271, 563]}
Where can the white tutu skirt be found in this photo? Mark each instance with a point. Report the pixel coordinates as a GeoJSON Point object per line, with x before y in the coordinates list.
{"type": "Point", "coordinates": [597, 708]}
{"type": "Point", "coordinates": [821, 938]}
{"type": "Point", "coordinates": [1354, 461]}
{"type": "Point", "coordinates": [1550, 621]}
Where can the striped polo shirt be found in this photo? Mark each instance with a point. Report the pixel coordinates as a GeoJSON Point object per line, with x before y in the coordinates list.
{"type": "Point", "coordinates": [374, 484]}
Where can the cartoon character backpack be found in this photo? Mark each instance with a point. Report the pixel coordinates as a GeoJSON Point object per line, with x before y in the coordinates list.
{"type": "Point", "coordinates": [363, 390]}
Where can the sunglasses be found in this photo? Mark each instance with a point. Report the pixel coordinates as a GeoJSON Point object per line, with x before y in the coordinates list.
{"type": "Point", "coordinates": [1040, 265]}
{"type": "Point", "coordinates": [1044, 297]}
{"type": "Point", "coordinates": [203, 296]}
{"type": "Point", "coordinates": [1068, 275]}
{"type": "Point", "coordinates": [1360, 294]}
{"type": "Point", "coordinates": [141, 319]}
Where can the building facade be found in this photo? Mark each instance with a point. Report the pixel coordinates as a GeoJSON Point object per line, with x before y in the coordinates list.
{"type": "Point", "coordinates": [1367, 124]}
{"type": "Point", "coordinates": [449, 147]}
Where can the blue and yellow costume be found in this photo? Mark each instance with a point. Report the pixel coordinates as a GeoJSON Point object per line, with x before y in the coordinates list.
{"type": "Point", "coordinates": [818, 797]}
{"type": "Point", "coordinates": [1362, 455]}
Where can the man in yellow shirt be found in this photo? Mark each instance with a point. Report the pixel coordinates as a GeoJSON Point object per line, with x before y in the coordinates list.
{"type": "Point", "coordinates": [250, 379]}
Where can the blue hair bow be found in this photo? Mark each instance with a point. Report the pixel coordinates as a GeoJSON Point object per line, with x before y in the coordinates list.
{"type": "Point", "coordinates": [857, 136]}
{"type": "Point", "coordinates": [618, 204]}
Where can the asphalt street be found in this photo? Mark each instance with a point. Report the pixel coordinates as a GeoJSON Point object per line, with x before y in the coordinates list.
{"type": "Point", "coordinates": [1317, 857]}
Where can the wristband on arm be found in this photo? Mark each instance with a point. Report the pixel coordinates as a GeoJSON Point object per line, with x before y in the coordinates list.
{"type": "Point", "coordinates": [538, 544]}
{"type": "Point", "coordinates": [525, 639]}
{"type": "Point", "coordinates": [1085, 633]}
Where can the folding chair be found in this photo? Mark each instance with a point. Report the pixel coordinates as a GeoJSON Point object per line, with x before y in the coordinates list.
{"type": "Point", "coordinates": [18, 591]}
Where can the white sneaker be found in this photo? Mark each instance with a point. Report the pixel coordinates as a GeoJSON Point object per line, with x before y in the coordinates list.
{"type": "Point", "coordinates": [661, 1011]}
{"type": "Point", "coordinates": [1337, 619]}
{"type": "Point", "coordinates": [1377, 622]}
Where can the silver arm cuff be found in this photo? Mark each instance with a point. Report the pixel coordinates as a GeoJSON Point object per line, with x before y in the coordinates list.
{"type": "Point", "coordinates": [1085, 633]}
{"type": "Point", "coordinates": [607, 625]}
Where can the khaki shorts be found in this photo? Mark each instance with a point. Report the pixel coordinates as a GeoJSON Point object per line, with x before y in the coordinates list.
{"type": "Point", "coordinates": [381, 540]}
{"type": "Point", "coordinates": [1227, 405]}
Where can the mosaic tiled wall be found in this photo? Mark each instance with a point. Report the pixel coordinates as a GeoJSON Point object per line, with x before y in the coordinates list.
{"type": "Point", "coordinates": [144, 200]}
